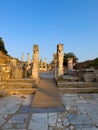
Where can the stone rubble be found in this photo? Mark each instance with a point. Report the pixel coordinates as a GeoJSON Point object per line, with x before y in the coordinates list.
{"type": "Point", "coordinates": [81, 113]}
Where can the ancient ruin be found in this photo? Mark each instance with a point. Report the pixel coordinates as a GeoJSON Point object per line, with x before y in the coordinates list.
{"type": "Point", "coordinates": [68, 80]}
{"type": "Point", "coordinates": [70, 64]}
{"type": "Point", "coordinates": [60, 60]}
{"type": "Point", "coordinates": [29, 104]}
{"type": "Point", "coordinates": [35, 67]}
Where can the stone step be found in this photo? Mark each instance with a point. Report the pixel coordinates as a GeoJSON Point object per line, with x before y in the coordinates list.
{"type": "Point", "coordinates": [19, 85]}
{"type": "Point", "coordinates": [2, 85]}
{"type": "Point", "coordinates": [22, 91]}
{"type": "Point", "coordinates": [6, 92]}
{"type": "Point", "coordinates": [21, 80]}
{"type": "Point", "coordinates": [76, 84]}
{"type": "Point", "coordinates": [79, 90]}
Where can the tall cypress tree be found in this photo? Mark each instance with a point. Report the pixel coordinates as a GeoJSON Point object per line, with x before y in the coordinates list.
{"type": "Point", "coordinates": [2, 46]}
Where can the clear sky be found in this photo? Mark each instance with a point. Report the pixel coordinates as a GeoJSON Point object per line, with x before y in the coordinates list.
{"type": "Point", "coordinates": [74, 23]}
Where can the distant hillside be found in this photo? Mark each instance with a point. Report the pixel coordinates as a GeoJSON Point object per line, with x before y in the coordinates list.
{"type": "Point", "coordinates": [87, 64]}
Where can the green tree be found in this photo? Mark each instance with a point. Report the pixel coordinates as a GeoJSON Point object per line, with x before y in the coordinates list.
{"type": "Point", "coordinates": [69, 55]}
{"type": "Point", "coordinates": [94, 63]}
{"type": "Point", "coordinates": [2, 46]}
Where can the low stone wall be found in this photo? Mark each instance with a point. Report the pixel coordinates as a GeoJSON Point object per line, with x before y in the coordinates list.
{"type": "Point", "coordinates": [87, 75]}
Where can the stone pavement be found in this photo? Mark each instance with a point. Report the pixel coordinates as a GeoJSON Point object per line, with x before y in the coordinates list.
{"type": "Point", "coordinates": [81, 113]}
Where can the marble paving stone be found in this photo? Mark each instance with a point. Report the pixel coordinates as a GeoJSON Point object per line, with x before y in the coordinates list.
{"type": "Point", "coordinates": [95, 95]}
{"type": "Point", "coordinates": [2, 118]}
{"type": "Point", "coordinates": [9, 105]}
{"type": "Point", "coordinates": [83, 108]}
{"type": "Point", "coordinates": [8, 126]}
{"type": "Point", "coordinates": [27, 99]}
{"type": "Point", "coordinates": [70, 99]}
{"type": "Point", "coordinates": [70, 95]}
{"type": "Point", "coordinates": [21, 126]}
{"type": "Point", "coordinates": [2, 121]}
{"type": "Point", "coordinates": [59, 125]}
{"type": "Point", "coordinates": [86, 96]}
{"type": "Point", "coordinates": [82, 126]}
{"type": "Point", "coordinates": [50, 128]}
{"type": "Point", "coordinates": [52, 119]}
{"type": "Point", "coordinates": [89, 128]}
{"type": "Point", "coordinates": [80, 119]}
{"type": "Point", "coordinates": [19, 118]}
{"type": "Point", "coordinates": [14, 129]}
{"type": "Point", "coordinates": [39, 121]}
{"type": "Point", "coordinates": [85, 117]}
{"type": "Point", "coordinates": [66, 122]}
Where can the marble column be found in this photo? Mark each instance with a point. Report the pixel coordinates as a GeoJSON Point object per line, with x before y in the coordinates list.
{"type": "Point", "coordinates": [59, 60]}
{"type": "Point", "coordinates": [35, 67]}
{"type": "Point", "coordinates": [29, 59]}
{"type": "Point", "coordinates": [70, 64]}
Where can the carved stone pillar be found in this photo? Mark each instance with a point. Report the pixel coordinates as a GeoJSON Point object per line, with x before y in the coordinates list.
{"type": "Point", "coordinates": [59, 60]}
{"type": "Point", "coordinates": [35, 68]}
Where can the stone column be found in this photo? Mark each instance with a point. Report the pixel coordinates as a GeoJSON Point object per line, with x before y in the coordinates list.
{"type": "Point", "coordinates": [45, 65]}
{"type": "Point", "coordinates": [55, 65]}
{"type": "Point", "coordinates": [70, 64]}
{"type": "Point", "coordinates": [35, 68]}
{"type": "Point", "coordinates": [22, 57]}
{"type": "Point", "coordinates": [29, 58]}
{"type": "Point", "coordinates": [59, 60]}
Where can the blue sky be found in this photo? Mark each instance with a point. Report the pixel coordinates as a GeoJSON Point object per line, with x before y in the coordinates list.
{"type": "Point", "coordinates": [74, 23]}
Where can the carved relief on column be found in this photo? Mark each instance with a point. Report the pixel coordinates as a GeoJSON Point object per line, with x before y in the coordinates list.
{"type": "Point", "coordinates": [35, 68]}
{"type": "Point", "coordinates": [60, 60]}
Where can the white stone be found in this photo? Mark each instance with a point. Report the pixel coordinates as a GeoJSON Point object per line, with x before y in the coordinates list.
{"type": "Point", "coordinates": [52, 119]}
{"type": "Point", "coordinates": [59, 120]}
{"type": "Point", "coordinates": [38, 121]}
{"type": "Point", "coordinates": [59, 125]}
{"type": "Point", "coordinates": [68, 107]}
{"type": "Point", "coordinates": [71, 127]}
{"type": "Point", "coordinates": [27, 100]}
{"type": "Point", "coordinates": [66, 122]}
{"type": "Point", "coordinates": [19, 118]}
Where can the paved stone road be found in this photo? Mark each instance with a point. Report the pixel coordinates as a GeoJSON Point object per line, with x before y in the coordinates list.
{"type": "Point", "coordinates": [47, 95]}
{"type": "Point", "coordinates": [81, 113]}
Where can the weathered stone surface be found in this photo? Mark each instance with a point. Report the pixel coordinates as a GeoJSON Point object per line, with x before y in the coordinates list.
{"type": "Point", "coordinates": [21, 126]}
{"type": "Point", "coordinates": [35, 69]}
{"type": "Point", "coordinates": [59, 60]}
{"type": "Point", "coordinates": [80, 119]}
{"type": "Point", "coordinates": [52, 119]}
{"type": "Point", "coordinates": [3, 118]}
{"type": "Point", "coordinates": [27, 100]}
{"type": "Point", "coordinates": [38, 122]}
{"type": "Point", "coordinates": [8, 126]}
{"type": "Point", "coordinates": [19, 118]}
{"type": "Point", "coordinates": [70, 64]}
{"type": "Point", "coordinates": [10, 105]}
{"type": "Point", "coordinates": [66, 122]}
{"type": "Point", "coordinates": [84, 118]}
